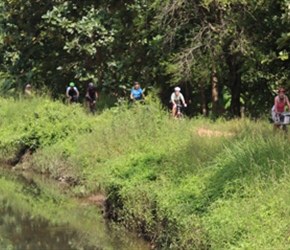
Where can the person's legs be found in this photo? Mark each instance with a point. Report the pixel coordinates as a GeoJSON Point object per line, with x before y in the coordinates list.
{"type": "Point", "coordinates": [275, 120]}
{"type": "Point", "coordinates": [88, 102]}
{"type": "Point", "coordinates": [173, 110]}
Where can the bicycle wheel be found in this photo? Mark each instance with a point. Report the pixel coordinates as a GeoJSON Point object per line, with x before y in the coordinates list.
{"type": "Point", "coordinates": [92, 108]}
{"type": "Point", "coordinates": [179, 115]}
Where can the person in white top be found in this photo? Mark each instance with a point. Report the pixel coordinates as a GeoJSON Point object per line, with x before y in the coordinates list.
{"type": "Point", "coordinates": [27, 91]}
{"type": "Point", "coordinates": [177, 98]}
{"type": "Point", "coordinates": [72, 93]}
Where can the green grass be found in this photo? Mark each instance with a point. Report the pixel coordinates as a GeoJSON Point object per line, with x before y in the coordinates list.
{"type": "Point", "coordinates": [190, 184]}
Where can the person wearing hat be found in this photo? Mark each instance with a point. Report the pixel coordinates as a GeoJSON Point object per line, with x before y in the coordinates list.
{"type": "Point", "coordinates": [280, 102]}
{"type": "Point", "coordinates": [91, 95]}
{"type": "Point", "coordinates": [176, 99]}
{"type": "Point", "coordinates": [27, 91]}
{"type": "Point", "coordinates": [137, 92]}
{"type": "Point", "coordinates": [72, 93]}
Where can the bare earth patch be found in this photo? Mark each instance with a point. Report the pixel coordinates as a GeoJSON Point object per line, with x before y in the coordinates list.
{"type": "Point", "coordinates": [211, 133]}
{"type": "Point", "coordinates": [98, 199]}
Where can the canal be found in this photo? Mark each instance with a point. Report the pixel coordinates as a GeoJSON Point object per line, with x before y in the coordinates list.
{"type": "Point", "coordinates": [37, 216]}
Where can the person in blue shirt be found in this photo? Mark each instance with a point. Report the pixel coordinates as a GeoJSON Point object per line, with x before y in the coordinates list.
{"type": "Point", "coordinates": [137, 92]}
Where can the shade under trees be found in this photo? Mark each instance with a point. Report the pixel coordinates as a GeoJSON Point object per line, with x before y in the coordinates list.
{"type": "Point", "coordinates": [228, 56]}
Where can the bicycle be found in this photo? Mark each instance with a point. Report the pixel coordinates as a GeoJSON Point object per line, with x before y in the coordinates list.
{"type": "Point", "coordinates": [136, 101]}
{"type": "Point", "coordinates": [74, 99]}
{"type": "Point", "coordinates": [178, 113]}
{"type": "Point", "coordinates": [93, 106]}
{"type": "Point", "coordinates": [283, 120]}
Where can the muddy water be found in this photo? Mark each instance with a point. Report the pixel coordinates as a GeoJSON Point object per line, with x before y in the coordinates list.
{"type": "Point", "coordinates": [25, 229]}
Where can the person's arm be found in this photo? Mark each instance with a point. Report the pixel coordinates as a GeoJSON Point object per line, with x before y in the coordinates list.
{"type": "Point", "coordinates": [78, 93]}
{"type": "Point", "coordinates": [67, 91]}
{"type": "Point", "coordinates": [183, 100]}
{"type": "Point", "coordinates": [131, 96]}
{"type": "Point", "coordinates": [96, 94]}
{"type": "Point", "coordinates": [288, 104]}
{"type": "Point", "coordinates": [142, 93]}
{"type": "Point", "coordinates": [88, 94]}
{"type": "Point", "coordinates": [276, 104]}
{"type": "Point", "coordinates": [172, 99]}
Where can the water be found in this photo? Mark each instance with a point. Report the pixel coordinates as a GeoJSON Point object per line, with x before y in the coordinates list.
{"type": "Point", "coordinates": [29, 221]}
{"type": "Point", "coordinates": [24, 232]}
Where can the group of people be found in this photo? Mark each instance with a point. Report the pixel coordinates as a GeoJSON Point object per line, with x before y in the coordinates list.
{"type": "Point", "coordinates": [280, 102]}
{"type": "Point", "coordinates": [177, 97]}
{"type": "Point", "coordinates": [73, 94]}
{"type": "Point", "coordinates": [137, 94]}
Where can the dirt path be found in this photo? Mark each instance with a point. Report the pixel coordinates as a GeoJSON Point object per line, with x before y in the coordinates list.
{"type": "Point", "coordinates": [212, 133]}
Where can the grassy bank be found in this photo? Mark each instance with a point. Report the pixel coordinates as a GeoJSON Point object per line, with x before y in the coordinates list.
{"type": "Point", "coordinates": [193, 184]}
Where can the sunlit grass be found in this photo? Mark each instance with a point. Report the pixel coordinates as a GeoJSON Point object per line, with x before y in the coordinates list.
{"type": "Point", "coordinates": [189, 184]}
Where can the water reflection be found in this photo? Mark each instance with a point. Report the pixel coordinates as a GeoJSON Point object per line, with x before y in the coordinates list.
{"type": "Point", "coordinates": [68, 228]}
{"type": "Point", "coordinates": [24, 233]}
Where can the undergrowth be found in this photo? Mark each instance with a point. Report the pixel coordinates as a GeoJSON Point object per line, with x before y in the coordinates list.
{"type": "Point", "coordinates": [189, 184]}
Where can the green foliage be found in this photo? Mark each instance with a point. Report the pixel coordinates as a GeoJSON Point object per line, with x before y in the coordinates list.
{"type": "Point", "coordinates": [181, 183]}
{"type": "Point", "coordinates": [159, 43]}
{"type": "Point", "coordinates": [39, 122]}
{"type": "Point", "coordinates": [190, 184]}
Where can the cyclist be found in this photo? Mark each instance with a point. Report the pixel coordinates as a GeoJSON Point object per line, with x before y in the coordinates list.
{"type": "Point", "coordinates": [176, 99]}
{"type": "Point", "coordinates": [91, 95]}
{"type": "Point", "coordinates": [280, 102]}
{"type": "Point", "coordinates": [137, 92]}
{"type": "Point", "coordinates": [72, 93]}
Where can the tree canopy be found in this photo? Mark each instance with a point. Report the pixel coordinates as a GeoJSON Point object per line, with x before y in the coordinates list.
{"type": "Point", "coordinates": [228, 56]}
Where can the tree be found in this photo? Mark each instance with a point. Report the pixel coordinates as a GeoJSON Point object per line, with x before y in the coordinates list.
{"type": "Point", "coordinates": [223, 53]}
{"type": "Point", "coordinates": [225, 32]}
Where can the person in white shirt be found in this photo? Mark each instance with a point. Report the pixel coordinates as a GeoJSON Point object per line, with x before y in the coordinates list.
{"type": "Point", "coordinates": [177, 98]}
{"type": "Point", "coordinates": [72, 93]}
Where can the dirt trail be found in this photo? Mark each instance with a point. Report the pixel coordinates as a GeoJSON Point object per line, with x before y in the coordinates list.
{"type": "Point", "coordinates": [212, 133]}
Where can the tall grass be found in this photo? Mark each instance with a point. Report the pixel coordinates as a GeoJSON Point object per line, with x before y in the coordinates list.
{"type": "Point", "coordinates": [189, 184]}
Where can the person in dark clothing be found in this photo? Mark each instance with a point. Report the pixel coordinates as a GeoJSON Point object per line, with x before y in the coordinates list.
{"type": "Point", "coordinates": [91, 95]}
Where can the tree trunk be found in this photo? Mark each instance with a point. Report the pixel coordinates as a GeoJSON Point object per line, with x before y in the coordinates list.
{"type": "Point", "coordinates": [215, 91]}
{"type": "Point", "coordinates": [203, 100]}
{"type": "Point", "coordinates": [99, 60]}
{"type": "Point", "coordinates": [235, 81]}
